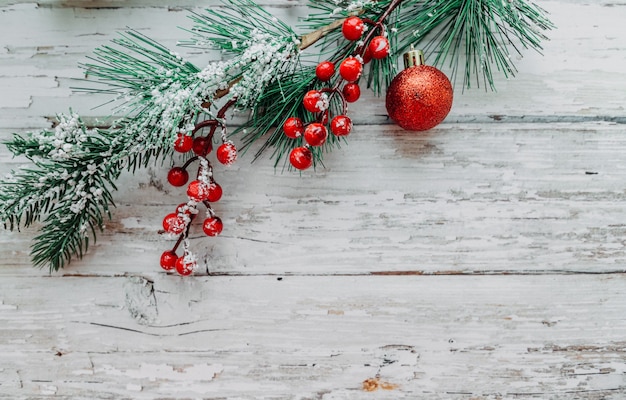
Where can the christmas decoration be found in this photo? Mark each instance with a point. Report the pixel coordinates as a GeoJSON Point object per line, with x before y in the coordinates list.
{"type": "Point", "coordinates": [341, 125]}
{"type": "Point", "coordinates": [301, 158]}
{"type": "Point", "coordinates": [420, 96]}
{"type": "Point", "coordinates": [325, 71]}
{"type": "Point", "coordinates": [351, 92]}
{"type": "Point", "coordinates": [168, 109]}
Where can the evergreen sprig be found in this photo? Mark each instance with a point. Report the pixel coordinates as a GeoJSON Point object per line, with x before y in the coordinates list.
{"type": "Point", "coordinates": [265, 69]}
{"type": "Point", "coordinates": [73, 171]}
{"type": "Point", "coordinates": [474, 38]}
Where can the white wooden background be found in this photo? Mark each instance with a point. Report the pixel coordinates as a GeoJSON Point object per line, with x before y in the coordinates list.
{"type": "Point", "coordinates": [484, 259]}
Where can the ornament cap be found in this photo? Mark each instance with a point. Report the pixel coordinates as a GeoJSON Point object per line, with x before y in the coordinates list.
{"type": "Point", "coordinates": [413, 58]}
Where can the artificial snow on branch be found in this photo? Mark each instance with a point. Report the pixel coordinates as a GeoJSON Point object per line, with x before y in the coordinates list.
{"type": "Point", "coordinates": [267, 69]}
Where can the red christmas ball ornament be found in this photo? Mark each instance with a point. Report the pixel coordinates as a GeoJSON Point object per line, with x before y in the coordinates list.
{"type": "Point", "coordinates": [198, 191]}
{"type": "Point", "coordinates": [174, 223]}
{"type": "Point", "coordinates": [301, 158]}
{"type": "Point", "coordinates": [168, 260]}
{"type": "Point", "coordinates": [315, 134]}
{"type": "Point", "coordinates": [177, 176]}
{"type": "Point", "coordinates": [212, 226]}
{"type": "Point", "coordinates": [350, 69]}
{"type": "Point", "coordinates": [184, 266]}
{"type": "Point", "coordinates": [226, 153]}
{"type": "Point", "coordinates": [325, 70]}
{"type": "Point", "coordinates": [183, 143]}
{"type": "Point", "coordinates": [315, 101]}
{"type": "Point", "coordinates": [215, 192]}
{"type": "Point", "coordinates": [293, 127]}
{"type": "Point", "coordinates": [341, 125]}
{"type": "Point", "coordinates": [202, 145]}
{"type": "Point", "coordinates": [420, 96]}
{"type": "Point", "coordinates": [351, 92]}
{"type": "Point", "coordinates": [379, 47]}
{"type": "Point", "coordinates": [352, 28]}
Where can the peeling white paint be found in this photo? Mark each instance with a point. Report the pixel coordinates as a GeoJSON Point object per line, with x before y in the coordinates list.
{"type": "Point", "coordinates": [166, 372]}
{"type": "Point", "coordinates": [512, 210]}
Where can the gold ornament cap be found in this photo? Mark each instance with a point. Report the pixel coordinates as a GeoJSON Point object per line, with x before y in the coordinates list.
{"type": "Point", "coordinates": [413, 58]}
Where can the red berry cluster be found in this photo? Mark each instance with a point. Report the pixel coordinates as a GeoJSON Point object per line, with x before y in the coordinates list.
{"type": "Point", "coordinates": [317, 101]}
{"type": "Point", "coordinates": [202, 190]}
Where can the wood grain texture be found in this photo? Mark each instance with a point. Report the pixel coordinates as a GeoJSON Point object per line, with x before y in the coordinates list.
{"type": "Point", "coordinates": [463, 198]}
{"type": "Point", "coordinates": [484, 259]}
{"type": "Point", "coordinates": [538, 337]}
{"type": "Point", "coordinates": [579, 77]}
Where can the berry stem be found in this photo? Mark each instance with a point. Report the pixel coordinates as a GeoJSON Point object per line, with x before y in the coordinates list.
{"type": "Point", "coordinates": [210, 171]}
{"type": "Point", "coordinates": [222, 112]}
{"type": "Point", "coordinates": [209, 208]}
{"type": "Point", "coordinates": [335, 91]}
{"type": "Point", "coordinates": [204, 124]}
{"type": "Point", "coordinates": [191, 160]}
{"type": "Point", "coordinates": [183, 235]}
{"type": "Point", "coordinates": [360, 50]}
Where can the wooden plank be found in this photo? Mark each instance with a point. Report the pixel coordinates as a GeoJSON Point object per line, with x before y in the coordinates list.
{"type": "Point", "coordinates": [481, 260]}
{"type": "Point", "coordinates": [128, 4]}
{"type": "Point", "coordinates": [580, 75]}
{"type": "Point", "coordinates": [462, 198]}
{"type": "Point", "coordinates": [557, 337]}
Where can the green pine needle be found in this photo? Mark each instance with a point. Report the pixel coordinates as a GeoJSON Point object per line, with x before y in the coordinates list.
{"type": "Point", "coordinates": [474, 38]}
{"type": "Point", "coordinates": [157, 94]}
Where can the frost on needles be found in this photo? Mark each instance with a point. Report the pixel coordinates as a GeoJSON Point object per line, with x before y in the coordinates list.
{"type": "Point", "coordinates": [72, 169]}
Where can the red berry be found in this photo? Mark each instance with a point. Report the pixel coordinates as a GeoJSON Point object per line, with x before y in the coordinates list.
{"type": "Point", "coordinates": [183, 143]}
{"type": "Point", "coordinates": [315, 101]}
{"type": "Point", "coordinates": [202, 145]}
{"type": "Point", "coordinates": [379, 47]}
{"type": "Point", "coordinates": [184, 267]}
{"type": "Point", "coordinates": [215, 192]}
{"type": "Point", "coordinates": [315, 134]}
{"type": "Point", "coordinates": [352, 28]}
{"type": "Point", "coordinates": [198, 191]}
{"type": "Point", "coordinates": [325, 70]}
{"type": "Point", "coordinates": [168, 260]}
{"type": "Point", "coordinates": [301, 158]}
{"type": "Point", "coordinates": [293, 127]}
{"type": "Point", "coordinates": [226, 153]}
{"type": "Point", "coordinates": [341, 125]}
{"type": "Point", "coordinates": [212, 226]}
{"type": "Point", "coordinates": [177, 176]}
{"type": "Point", "coordinates": [350, 69]}
{"type": "Point", "coordinates": [351, 92]}
{"type": "Point", "coordinates": [173, 223]}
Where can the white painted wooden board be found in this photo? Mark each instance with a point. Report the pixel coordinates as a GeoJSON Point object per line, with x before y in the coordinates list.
{"type": "Point", "coordinates": [468, 198]}
{"type": "Point", "coordinates": [581, 74]}
{"type": "Point", "coordinates": [484, 259]}
{"type": "Point", "coordinates": [443, 337]}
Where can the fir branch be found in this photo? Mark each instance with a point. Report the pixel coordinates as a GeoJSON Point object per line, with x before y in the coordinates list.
{"type": "Point", "coordinates": [231, 27]}
{"type": "Point", "coordinates": [70, 181]}
{"type": "Point", "coordinates": [473, 37]}
{"type": "Point", "coordinates": [477, 34]}
{"type": "Point", "coordinates": [159, 94]}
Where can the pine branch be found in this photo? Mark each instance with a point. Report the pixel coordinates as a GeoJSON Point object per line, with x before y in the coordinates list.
{"type": "Point", "coordinates": [72, 174]}
{"type": "Point", "coordinates": [477, 34]}
{"type": "Point", "coordinates": [159, 94]}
